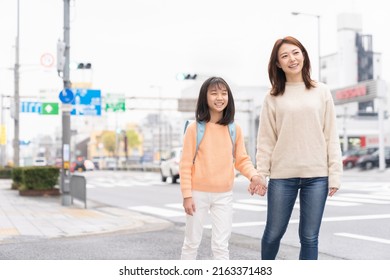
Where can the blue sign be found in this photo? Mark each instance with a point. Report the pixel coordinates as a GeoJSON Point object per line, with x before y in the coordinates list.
{"type": "Point", "coordinates": [30, 107]}
{"type": "Point", "coordinates": [86, 102]}
{"type": "Point", "coordinates": [66, 96]}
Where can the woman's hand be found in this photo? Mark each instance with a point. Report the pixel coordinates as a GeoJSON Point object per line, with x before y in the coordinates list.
{"type": "Point", "coordinates": [332, 191]}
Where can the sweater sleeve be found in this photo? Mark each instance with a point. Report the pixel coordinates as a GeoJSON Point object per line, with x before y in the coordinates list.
{"type": "Point", "coordinates": [186, 164]}
{"type": "Point", "coordinates": [266, 137]}
{"type": "Point", "coordinates": [243, 161]}
{"type": "Point", "coordinates": [333, 144]}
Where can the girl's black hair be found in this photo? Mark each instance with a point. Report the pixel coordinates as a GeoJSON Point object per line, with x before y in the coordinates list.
{"type": "Point", "coordinates": [202, 113]}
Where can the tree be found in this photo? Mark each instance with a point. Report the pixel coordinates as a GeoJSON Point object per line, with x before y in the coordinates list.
{"type": "Point", "coordinates": [108, 140]}
{"type": "Point", "coordinates": [133, 140]}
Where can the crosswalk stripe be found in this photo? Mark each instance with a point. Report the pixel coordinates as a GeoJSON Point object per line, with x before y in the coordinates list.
{"type": "Point", "coordinates": [253, 201]}
{"type": "Point", "coordinates": [175, 205]}
{"type": "Point", "coordinates": [363, 200]}
{"type": "Point", "coordinates": [341, 203]}
{"type": "Point", "coordinates": [157, 211]}
{"type": "Point", "coordinates": [363, 237]}
{"type": "Point", "coordinates": [371, 196]}
{"type": "Point", "coordinates": [248, 207]}
{"type": "Point", "coordinates": [326, 219]}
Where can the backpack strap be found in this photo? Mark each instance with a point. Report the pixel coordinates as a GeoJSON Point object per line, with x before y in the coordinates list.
{"type": "Point", "coordinates": [186, 125]}
{"type": "Point", "coordinates": [232, 133]}
{"type": "Point", "coordinates": [200, 129]}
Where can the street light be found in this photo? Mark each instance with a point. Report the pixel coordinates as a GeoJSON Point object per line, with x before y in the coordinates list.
{"type": "Point", "coordinates": [16, 91]}
{"type": "Point", "coordinates": [318, 38]}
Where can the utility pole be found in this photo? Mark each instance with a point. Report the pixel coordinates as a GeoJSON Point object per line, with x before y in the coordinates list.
{"type": "Point", "coordinates": [66, 108]}
{"type": "Point", "coordinates": [16, 93]}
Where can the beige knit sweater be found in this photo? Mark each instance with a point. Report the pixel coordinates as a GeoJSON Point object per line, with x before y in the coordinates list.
{"type": "Point", "coordinates": [298, 136]}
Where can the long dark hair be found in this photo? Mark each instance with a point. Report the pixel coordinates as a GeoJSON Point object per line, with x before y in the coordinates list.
{"type": "Point", "coordinates": [202, 113]}
{"type": "Point", "coordinates": [277, 76]}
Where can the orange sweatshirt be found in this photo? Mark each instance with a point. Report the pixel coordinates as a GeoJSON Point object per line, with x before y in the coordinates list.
{"type": "Point", "coordinates": [213, 170]}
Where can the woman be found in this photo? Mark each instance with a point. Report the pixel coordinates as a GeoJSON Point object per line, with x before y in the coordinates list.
{"type": "Point", "coordinates": [298, 148]}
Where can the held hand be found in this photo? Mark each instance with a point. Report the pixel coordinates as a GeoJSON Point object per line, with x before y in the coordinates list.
{"type": "Point", "coordinates": [255, 180]}
{"type": "Point", "coordinates": [189, 206]}
{"type": "Point", "coordinates": [332, 191]}
{"type": "Point", "coordinates": [257, 186]}
{"type": "Point", "coordinates": [261, 190]}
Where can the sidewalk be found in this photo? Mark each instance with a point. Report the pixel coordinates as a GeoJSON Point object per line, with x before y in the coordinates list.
{"type": "Point", "coordinates": [31, 218]}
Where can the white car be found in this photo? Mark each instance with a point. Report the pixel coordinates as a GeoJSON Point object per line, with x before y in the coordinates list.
{"type": "Point", "coordinates": [89, 166]}
{"type": "Point", "coordinates": [39, 161]}
{"type": "Point", "coordinates": [170, 167]}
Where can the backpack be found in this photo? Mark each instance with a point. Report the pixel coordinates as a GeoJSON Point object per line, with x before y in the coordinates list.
{"type": "Point", "coordinates": [200, 129]}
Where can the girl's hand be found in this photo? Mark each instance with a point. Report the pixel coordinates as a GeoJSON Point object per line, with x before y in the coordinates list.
{"type": "Point", "coordinates": [189, 206]}
{"type": "Point", "coordinates": [261, 190]}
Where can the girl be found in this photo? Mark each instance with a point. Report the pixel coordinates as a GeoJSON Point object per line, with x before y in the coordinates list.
{"type": "Point", "coordinates": [297, 148]}
{"type": "Point", "coordinates": [206, 182]}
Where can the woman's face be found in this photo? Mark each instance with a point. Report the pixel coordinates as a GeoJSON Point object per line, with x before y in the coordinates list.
{"type": "Point", "coordinates": [290, 60]}
{"type": "Point", "coordinates": [217, 98]}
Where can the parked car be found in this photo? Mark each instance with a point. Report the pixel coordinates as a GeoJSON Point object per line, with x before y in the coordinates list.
{"type": "Point", "coordinates": [170, 167]}
{"type": "Point", "coordinates": [89, 165]}
{"type": "Point", "coordinates": [351, 157]}
{"type": "Point", "coordinates": [371, 161]}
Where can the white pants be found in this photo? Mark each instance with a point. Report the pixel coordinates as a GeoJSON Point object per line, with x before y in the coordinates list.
{"type": "Point", "coordinates": [220, 207]}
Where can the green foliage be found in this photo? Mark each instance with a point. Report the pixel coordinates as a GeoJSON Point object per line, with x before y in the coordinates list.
{"type": "Point", "coordinates": [133, 140]}
{"type": "Point", "coordinates": [5, 173]}
{"type": "Point", "coordinates": [17, 173]}
{"type": "Point", "coordinates": [36, 178]}
{"type": "Point", "coordinates": [108, 139]}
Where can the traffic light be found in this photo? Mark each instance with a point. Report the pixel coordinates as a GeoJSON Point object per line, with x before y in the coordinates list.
{"type": "Point", "coordinates": [60, 56]}
{"type": "Point", "coordinates": [84, 66]}
{"type": "Point", "coordinates": [186, 76]}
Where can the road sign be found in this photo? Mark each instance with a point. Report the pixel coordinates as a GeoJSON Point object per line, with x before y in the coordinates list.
{"type": "Point", "coordinates": [49, 108]}
{"type": "Point", "coordinates": [86, 102]}
{"type": "Point", "coordinates": [47, 60]}
{"type": "Point", "coordinates": [66, 96]}
{"type": "Point", "coordinates": [30, 107]}
{"type": "Point", "coordinates": [115, 103]}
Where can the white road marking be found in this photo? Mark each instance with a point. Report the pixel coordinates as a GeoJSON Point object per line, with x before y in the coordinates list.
{"type": "Point", "coordinates": [157, 211]}
{"type": "Point", "coordinates": [370, 196]}
{"type": "Point", "coordinates": [248, 207]}
{"type": "Point", "coordinates": [296, 206]}
{"type": "Point", "coordinates": [363, 237]}
{"type": "Point", "coordinates": [326, 219]}
{"type": "Point", "coordinates": [340, 203]}
{"type": "Point", "coordinates": [253, 201]}
{"type": "Point", "coordinates": [239, 206]}
{"type": "Point", "coordinates": [175, 205]}
{"type": "Point", "coordinates": [362, 200]}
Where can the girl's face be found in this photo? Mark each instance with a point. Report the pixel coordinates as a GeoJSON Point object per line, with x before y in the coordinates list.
{"type": "Point", "coordinates": [217, 98]}
{"type": "Point", "coordinates": [290, 60]}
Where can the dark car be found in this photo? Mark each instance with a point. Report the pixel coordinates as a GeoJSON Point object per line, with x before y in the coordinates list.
{"type": "Point", "coordinates": [351, 157]}
{"type": "Point", "coordinates": [371, 161]}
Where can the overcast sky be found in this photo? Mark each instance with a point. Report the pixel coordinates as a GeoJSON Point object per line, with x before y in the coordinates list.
{"type": "Point", "coordinates": [136, 44]}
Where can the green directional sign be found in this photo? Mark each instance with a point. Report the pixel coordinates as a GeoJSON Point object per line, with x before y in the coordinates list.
{"type": "Point", "coordinates": [49, 108]}
{"type": "Point", "coordinates": [115, 103]}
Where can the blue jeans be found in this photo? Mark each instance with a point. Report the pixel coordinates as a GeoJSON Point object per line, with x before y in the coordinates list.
{"type": "Point", "coordinates": [281, 197]}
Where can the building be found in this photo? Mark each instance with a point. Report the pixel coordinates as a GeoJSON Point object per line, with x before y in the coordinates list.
{"type": "Point", "coordinates": [354, 75]}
